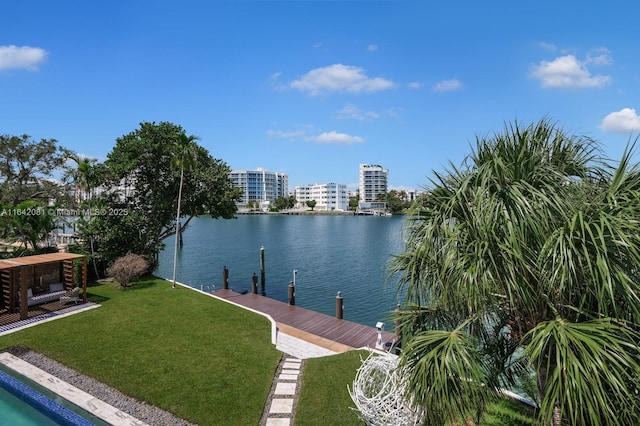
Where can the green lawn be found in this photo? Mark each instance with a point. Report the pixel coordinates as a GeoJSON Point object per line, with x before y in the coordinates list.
{"type": "Point", "coordinates": [325, 400]}
{"type": "Point", "coordinates": [324, 397]}
{"type": "Point", "coordinates": [199, 358]}
{"type": "Point", "coordinates": [202, 359]}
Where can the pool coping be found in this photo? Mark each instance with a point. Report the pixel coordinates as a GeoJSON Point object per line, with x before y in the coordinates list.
{"type": "Point", "coordinates": [82, 399]}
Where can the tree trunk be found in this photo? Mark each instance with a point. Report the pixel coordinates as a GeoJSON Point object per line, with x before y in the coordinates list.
{"type": "Point", "coordinates": [543, 371]}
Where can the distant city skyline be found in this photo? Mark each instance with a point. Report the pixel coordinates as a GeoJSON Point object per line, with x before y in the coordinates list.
{"type": "Point", "coordinates": [314, 88]}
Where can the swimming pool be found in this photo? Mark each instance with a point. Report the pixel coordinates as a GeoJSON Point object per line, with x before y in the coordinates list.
{"type": "Point", "coordinates": [14, 411]}
{"type": "Point", "coordinates": [62, 393]}
{"type": "Point", "coordinates": [22, 405]}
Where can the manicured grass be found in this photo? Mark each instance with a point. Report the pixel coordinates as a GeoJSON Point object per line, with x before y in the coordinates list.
{"type": "Point", "coordinates": [202, 359]}
{"type": "Point", "coordinates": [325, 399]}
{"type": "Point", "coordinates": [508, 413]}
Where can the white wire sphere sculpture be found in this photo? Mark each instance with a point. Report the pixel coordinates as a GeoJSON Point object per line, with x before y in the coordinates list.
{"type": "Point", "coordinates": [379, 393]}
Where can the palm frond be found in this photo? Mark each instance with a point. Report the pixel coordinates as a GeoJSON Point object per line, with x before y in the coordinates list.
{"type": "Point", "coordinates": [586, 370]}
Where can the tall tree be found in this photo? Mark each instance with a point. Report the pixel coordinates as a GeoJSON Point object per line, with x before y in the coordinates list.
{"type": "Point", "coordinates": [84, 177]}
{"type": "Point", "coordinates": [185, 157]}
{"type": "Point", "coordinates": [27, 169]}
{"type": "Point", "coordinates": [144, 183]}
{"type": "Point", "coordinates": [532, 246]}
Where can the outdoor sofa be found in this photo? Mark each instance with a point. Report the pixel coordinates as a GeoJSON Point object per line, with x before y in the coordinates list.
{"type": "Point", "coordinates": [55, 291]}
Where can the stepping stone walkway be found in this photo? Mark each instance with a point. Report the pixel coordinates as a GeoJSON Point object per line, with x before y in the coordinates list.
{"type": "Point", "coordinates": [283, 396]}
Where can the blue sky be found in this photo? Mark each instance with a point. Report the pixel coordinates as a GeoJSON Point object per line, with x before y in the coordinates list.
{"type": "Point", "coordinates": [315, 88]}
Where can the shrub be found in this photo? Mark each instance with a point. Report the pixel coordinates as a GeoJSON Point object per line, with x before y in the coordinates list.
{"type": "Point", "coordinates": [128, 268]}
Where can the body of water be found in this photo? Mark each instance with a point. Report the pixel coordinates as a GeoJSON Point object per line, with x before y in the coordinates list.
{"type": "Point", "coordinates": [347, 254]}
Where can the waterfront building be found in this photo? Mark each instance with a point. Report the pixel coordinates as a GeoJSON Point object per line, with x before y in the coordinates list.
{"type": "Point", "coordinates": [328, 196]}
{"type": "Point", "coordinates": [260, 186]}
{"type": "Point", "coordinates": [373, 187]}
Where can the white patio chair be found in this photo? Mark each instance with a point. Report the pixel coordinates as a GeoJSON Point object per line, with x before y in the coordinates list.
{"type": "Point", "coordinates": [71, 296]}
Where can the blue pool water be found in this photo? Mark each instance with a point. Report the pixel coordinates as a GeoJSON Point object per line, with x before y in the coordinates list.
{"type": "Point", "coordinates": [22, 405]}
{"type": "Point", "coordinates": [16, 412]}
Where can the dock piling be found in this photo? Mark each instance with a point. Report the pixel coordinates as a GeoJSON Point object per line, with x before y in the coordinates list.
{"type": "Point", "coordinates": [262, 272]}
{"type": "Point", "coordinates": [339, 306]}
{"type": "Point", "coordinates": [254, 284]}
{"type": "Point", "coordinates": [292, 294]}
{"type": "Point", "coordinates": [225, 278]}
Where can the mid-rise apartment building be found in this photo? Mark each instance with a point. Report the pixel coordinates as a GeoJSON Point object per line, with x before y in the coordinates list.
{"type": "Point", "coordinates": [373, 187]}
{"type": "Point", "coordinates": [260, 186]}
{"type": "Point", "coordinates": [328, 196]}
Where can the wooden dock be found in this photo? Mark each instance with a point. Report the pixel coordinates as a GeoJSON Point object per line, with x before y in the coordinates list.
{"type": "Point", "coordinates": [320, 329]}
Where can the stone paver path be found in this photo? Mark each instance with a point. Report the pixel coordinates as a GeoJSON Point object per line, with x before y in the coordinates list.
{"type": "Point", "coordinates": [284, 393]}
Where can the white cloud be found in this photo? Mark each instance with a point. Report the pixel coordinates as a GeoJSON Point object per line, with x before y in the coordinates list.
{"type": "Point", "coordinates": [415, 85]}
{"type": "Point", "coordinates": [336, 137]}
{"type": "Point", "coordinates": [352, 111]}
{"type": "Point", "coordinates": [281, 134]}
{"type": "Point", "coordinates": [275, 76]}
{"type": "Point", "coordinates": [24, 57]}
{"type": "Point", "coordinates": [547, 46]}
{"type": "Point", "coordinates": [372, 48]}
{"type": "Point", "coordinates": [568, 72]}
{"type": "Point", "coordinates": [599, 56]}
{"type": "Point", "coordinates": [447, 85]}
{"type": "Point", "coordinates": [626, 120]}
{"type": "Point", "coordinates": [393, 111]}
{"type": "Point", "coordinates": [340, 78]}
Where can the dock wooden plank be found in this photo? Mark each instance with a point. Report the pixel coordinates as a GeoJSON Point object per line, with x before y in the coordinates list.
{"type": "Point", "coordinates": [346, 333]}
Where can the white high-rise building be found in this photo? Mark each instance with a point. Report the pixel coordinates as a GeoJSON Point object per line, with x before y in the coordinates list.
{"type": "Point", "coordinates": [328, 196]}
{"type": "Point", "coordinates": [260, 186]}
{"type": "Point", "coordinates": [373, 187]}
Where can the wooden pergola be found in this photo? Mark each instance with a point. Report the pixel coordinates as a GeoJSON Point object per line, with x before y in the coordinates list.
{"type": "Point", "coordinates": [37, 272]}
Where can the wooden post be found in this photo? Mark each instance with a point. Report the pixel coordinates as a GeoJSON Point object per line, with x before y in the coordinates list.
{"type": "Point", "coordinates": [339, 306]}
{"type": "Point", "coordinates": [254, 284]}
{"type": "Point", "coordinates": [292, 294]}
{"type": "Point", "coordinates": [24, 309]}
{"type": "Point", "coordinates": [262, 272]}
{"type": "Point", "coordinates": [225, 278]}
{"type": "Point", "coordinates": [84, 279]}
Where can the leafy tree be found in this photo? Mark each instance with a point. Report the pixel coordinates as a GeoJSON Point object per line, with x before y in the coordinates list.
{"type": "Point", "coordinates": [396, 201]}
{"type": "Point", "coordinates": [531, 246]}
{"type": "Point", "coordinates": [30, 222]}
{"type": "Point", "coordinates": [311, 204]}
{"type": "Point", "coordinates": [280, 203]}
{"type": "Point", "coordinates": [283, 203]}
{"type": "Point", "coordinates": [291, 201]}
{"type": "Point", "coordinates": [27, 168]}
{"type": "Point", "coordinates": [141, 205]}
{"type": "Point", "coordinates": [354, 201]}
{"type": "Point", "coordinates": [84, 177]}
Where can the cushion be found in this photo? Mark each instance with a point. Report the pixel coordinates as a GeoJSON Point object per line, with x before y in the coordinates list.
{"type": "Point", "coordinates": [29, 293]}
{"type": "Point", "coordinates": [55, 287]}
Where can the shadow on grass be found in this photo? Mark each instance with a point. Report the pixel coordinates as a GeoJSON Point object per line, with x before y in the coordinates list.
{"type": "Point", "coordinates": [97, 299]}
{"type": "Point", "coordinates": [142, 283]}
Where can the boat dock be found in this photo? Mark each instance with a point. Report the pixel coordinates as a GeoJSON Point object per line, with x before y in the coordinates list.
{"type": "Point", "coordinates": [338, 335]}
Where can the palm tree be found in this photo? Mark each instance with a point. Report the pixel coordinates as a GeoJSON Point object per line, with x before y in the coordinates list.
{"type": "Point", "coordinates": [185, 157]}
{"type": "Point", "coordinates": [524, 262]}
{"type": "Point", "coordinates": [83, 177]}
